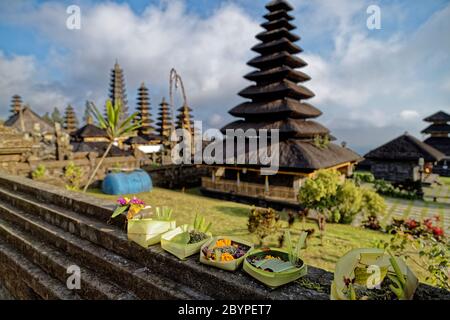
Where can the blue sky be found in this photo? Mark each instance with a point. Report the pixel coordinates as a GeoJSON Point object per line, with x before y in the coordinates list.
{"type": "Point", "coordinates": [371, 85]}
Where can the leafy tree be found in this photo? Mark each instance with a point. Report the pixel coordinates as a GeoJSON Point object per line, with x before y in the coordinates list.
{"type": "Point", "coordinates": [115, 128]}
{"type": "Point", "coordinates": [73, 176]}
{"type": "Point", "coordinates": [57, 117]}
{"type": "Point", "coordinates": [338, 201]}
{"type": "Point", "coordinates": [373, 203]}
{"type": "Point", "coordinates": [47, 117]}
{"type": "Point", "coordinates": [39, 172]}
{"type": "Point", "coordinates": [349, 200]}
{"type": "Point", "coordinates": [319, 193]}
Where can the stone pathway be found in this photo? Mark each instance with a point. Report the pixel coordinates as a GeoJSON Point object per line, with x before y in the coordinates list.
{"type": "Point", "coordinates": [419, 210]}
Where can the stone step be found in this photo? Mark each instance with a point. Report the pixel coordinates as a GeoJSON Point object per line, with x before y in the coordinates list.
{"type": "Point", "coordinates": [93, 286]}
{"type": "Point", "coordinates": [114, 239]}
{"type": "Point", "coordinates": [141, 281]}
{"type": "Point", "coordinates": [27, 281]}
{"type": "Point", "coordinates": [44, 193]}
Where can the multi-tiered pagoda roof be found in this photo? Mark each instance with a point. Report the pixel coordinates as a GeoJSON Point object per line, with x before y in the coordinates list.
{"type": "Point", "coordinates": [165, 122]}
{"type": "Point", "coordinates": [277, 99]}
{"type": "Point", "coordinates": [16, 104]}
{"type": "Point", "coordinates": [147, 130]}
{"type": "Point", "coordinates": [70, 120]}
{"type": "Point", "coordinates": [439, 129]}
{"type": "Point", "coordinates": [184, 119]}
{"type": "Point", "coordinates": [117, 89]}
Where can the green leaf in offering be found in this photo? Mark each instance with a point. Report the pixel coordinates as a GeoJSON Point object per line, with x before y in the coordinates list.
{"type": "Point", "coordinates": [200, 224]}
{"type": "Point", "coordinates": [182, 238]}
{"type": "Point", "coordinates": [276, 265]}
{"type": "Point", "coordinates": [164, 214]}
{"type": "Point", "coordinates": [119, 211]}
{"type": "Point", "coordinates": [294, 251]}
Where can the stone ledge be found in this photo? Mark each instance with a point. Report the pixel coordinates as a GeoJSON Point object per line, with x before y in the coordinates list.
{"type": "Point", "coordinates": [234, 285]}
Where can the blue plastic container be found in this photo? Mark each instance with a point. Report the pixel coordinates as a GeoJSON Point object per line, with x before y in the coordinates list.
{"type": "Point", "coordinates": [127, 183]}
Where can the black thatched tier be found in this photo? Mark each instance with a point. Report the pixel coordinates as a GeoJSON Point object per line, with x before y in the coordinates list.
{"type": "Point", "coordinates": [278, 74]}
{"type": "Point", "coordinates": [275, 91]}
{"type": "Point", "coordinates": [278, 24]}
{"type": "Point", "coordinates": [280, 14]}
{"type": "Point", "coordinates": [277, 59]}
{"type": "Point", "coordinates": [283, 107]}
{"type": "Point", "coordinates": [185, 108]}
{"type": "Point", "coordinates": [440, 116]}
{"type": "Point", "coordinates": [276, 5]}
{"type": "Point", "coordinates": [283, 44]}
{"type": "Point", "coordinates": [294, 128]}
{"type": "Point", "coordinates": [437, 128]}
{"type": "Point", "coordinates": [267, 36]}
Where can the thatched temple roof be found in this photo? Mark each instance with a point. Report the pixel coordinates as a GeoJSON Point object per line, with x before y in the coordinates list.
{"type": "Point", "coordinates": [440, 116]}
{"type": "Point", "coordinates": [90, 131]}
{"type": "Point", "coordinates": [26, 121]}
{"type": "Point", "coordinates": [276, 100]}
{"type": "Point", "coordinates": [99, 148]}
{"type": "Point", "coordinates": [405, 148]}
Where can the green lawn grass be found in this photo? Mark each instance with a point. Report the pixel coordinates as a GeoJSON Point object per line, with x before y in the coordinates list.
{"type": "Point", "coordinates": [445, 180]}
{"type": "Point", "coordinates": [230, 219]}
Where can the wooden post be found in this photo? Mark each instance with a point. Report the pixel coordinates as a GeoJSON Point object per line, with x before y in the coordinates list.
{"type": "Point", "coordinates": [267, 185]}
{"type": "Point", "coordinates": [238, 180]}
{"type": "Point", "coordinates": [213, 178]}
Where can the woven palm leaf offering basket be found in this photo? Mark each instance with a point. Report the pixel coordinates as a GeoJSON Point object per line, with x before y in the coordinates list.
{"type": "Point", "coordinates": [227, 253]}
{"type": "Point", "coordinates": [277, 267]}
{"type": "Point", "coordinates": [143, 226]}
{"type": "Point", "coordinates": [187, 240]}
{"type": "Point", "coordinates": [372, 274]}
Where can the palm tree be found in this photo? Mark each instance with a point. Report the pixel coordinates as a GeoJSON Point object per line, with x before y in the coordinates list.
{"type": "Point", "coordinates": [115, 128]}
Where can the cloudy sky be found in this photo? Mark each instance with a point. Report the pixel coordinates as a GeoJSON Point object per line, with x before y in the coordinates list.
{"type": "Point", "coordinates": [372, 85]}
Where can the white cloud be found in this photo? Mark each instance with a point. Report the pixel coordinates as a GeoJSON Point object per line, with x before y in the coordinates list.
{"type": "Point", "coordinates": [409, 115]}
{"type": "Point", "coordinates": [20, 75]}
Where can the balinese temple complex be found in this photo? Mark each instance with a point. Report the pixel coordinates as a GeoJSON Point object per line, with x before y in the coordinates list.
{"type": "Point", "coordinates": [277, 100]}
{"type": "Point", "coordinates": [439, 130]}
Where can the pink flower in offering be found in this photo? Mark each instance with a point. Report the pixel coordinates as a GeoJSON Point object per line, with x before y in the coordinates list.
{"type": "Point", "coordinates": [137, 201]}
{"type": "Point", "coordinates": [123, 201]}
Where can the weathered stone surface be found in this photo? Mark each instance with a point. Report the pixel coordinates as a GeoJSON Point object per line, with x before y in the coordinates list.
{"type": "Point", "coordinates": [4, 293]}
{"type": "Point", "coordinates": [74, 228]}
